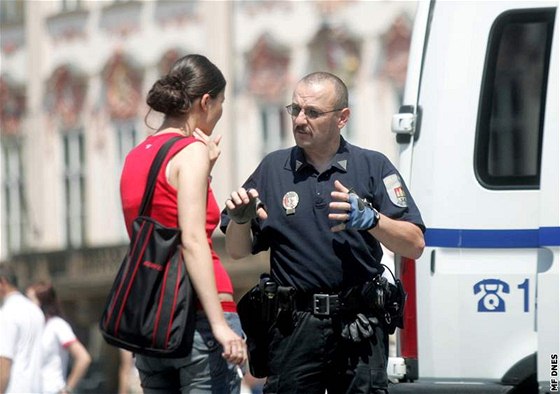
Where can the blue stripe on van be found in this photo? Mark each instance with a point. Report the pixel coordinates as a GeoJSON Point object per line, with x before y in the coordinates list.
{"type": "Point", "coordinates": [460, 238]}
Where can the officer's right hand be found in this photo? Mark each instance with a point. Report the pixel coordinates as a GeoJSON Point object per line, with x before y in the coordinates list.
{"type": "Point", "coordinates": [245, 205]}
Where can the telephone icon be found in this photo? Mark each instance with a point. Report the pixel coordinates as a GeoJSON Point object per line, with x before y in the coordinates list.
{"type": "Point", "coordinates": [491, 300]}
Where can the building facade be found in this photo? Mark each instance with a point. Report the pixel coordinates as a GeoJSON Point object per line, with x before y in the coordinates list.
{"type": "Point", "coordinates": [73, 80]}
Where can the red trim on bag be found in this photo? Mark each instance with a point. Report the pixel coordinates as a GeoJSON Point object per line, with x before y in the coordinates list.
{"type": "Point", "coordinates": [118, 322]}
{"type": "Point", "coordinates": [122, 281]}
{"type": "Point", "coordinates": [158, 313]}
{"type": "Point", "coordinates": [175, 296]}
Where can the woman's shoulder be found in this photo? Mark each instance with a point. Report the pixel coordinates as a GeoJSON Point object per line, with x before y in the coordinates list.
{"type": "Point", "coordinates": [188, 147]}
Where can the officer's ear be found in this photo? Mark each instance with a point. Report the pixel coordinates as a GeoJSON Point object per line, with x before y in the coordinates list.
{"type": "Point", "coordinates": [344, 116]}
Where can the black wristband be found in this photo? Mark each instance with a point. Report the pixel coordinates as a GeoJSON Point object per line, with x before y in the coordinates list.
{"type": "Point", "coordinates": [376, 217]}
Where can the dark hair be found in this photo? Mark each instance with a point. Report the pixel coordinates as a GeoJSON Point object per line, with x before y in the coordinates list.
{"type": "Point", "coordinates": [191, 77]}
{"type": "Point", "coordinates": [341, 91]}
{"type": "Point", "coordinates": [48, 301]}
{"type": "Point", "coordinates": [7, 272]}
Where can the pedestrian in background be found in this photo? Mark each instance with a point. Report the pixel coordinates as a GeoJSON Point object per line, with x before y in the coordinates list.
{"type": "Point", "coordinates": [191, 97]}
{"type": "Point", "coordinates": [59, 343]}
{"type": "Point", "coordinates": [21, 329]}
{"type": "Point", "coordinates": [325, 206]}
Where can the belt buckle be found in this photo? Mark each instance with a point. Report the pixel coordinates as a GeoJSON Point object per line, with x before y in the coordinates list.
{"type": "Point", "coordinates": [321, 305]}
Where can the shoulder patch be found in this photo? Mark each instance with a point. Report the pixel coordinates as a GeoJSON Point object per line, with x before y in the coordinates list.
{"type": "Point", "coordinates": [396, 192]}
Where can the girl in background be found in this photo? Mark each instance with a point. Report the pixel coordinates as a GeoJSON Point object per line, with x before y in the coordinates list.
{"type": "Point", "coordinates": [59, 344]}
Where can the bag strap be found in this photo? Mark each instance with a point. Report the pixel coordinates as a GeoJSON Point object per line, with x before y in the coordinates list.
{"type": "Point", "coordinates": [152, 175]}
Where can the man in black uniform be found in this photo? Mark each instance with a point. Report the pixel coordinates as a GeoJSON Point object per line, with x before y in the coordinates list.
{"type": "Point", "coordinates": [322, 208]}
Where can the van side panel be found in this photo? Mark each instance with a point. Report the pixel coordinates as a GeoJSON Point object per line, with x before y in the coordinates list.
{"type": "Point", "coordinates": [477, 279]}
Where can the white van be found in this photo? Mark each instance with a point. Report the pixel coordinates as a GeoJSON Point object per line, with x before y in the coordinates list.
{"type": "Point", "coordinates": [480, 151]}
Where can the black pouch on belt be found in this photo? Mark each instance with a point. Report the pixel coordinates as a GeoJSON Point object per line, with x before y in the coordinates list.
{"type": "Point", "coordinates": [256, 316]}
{"type": "Point", "coordinates": [375, 293]}
{"type": "Point", "coordinates": [269, 304]}
{"type": "Point", "coordinates": [395, 305]}
{"type": "Point", "coordinates": [286, 306]}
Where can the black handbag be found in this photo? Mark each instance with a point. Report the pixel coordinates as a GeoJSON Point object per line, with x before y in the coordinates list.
{"type": "Point", "coordinates": [150, 309]}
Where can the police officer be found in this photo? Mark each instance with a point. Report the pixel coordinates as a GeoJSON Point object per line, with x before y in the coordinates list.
{"type": "Point", "coordinates": [322, 208]}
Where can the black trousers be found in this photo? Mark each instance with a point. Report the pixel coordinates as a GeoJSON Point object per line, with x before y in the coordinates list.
{"type": "Point", "coordinates": [308, 356]}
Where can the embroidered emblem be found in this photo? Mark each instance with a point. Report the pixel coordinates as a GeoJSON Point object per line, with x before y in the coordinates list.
{"type": "Point", "coordinates": [395, 190]}
{"type": "Point", "coordinates": [290, 202]}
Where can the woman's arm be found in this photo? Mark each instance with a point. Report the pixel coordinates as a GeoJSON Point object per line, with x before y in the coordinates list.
{"type": "Point", "coordinates": [189, 174]}
{"type": "Point", "coordinates": [5, 371]}
{"type": "Point", "coordinates": [81, 361]}
{"type": "Point", "coordinates": [125, 365]}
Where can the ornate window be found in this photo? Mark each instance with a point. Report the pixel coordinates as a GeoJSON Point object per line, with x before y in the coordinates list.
{"type": "Point", "coordinates": [335, 50]}
{"type": "Point", "coordinates": [123, 87]}
{"type": "Point", "coordinates": [267, 80]}
{"type": "Point", "coordinates": [66, 91]}
{"type": "Point", "coordinates": [12, 108]}
{"type": "Point", "coordinates": [273, 123]}
{"type": "Point", "coordinates": [13, 197]}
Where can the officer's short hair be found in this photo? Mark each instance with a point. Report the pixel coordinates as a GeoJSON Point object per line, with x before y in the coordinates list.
{"type": "Point", "coordinates": [8, 273]}
{"type": "Point", "coordinates": [341, 91]}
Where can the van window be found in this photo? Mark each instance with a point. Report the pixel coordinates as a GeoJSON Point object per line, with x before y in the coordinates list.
{"type": "Point", "coordinates": [512, 104]}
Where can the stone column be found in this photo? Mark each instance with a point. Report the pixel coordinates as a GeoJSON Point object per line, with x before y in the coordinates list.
{"type": "Point", "coordinates": [218, 22]}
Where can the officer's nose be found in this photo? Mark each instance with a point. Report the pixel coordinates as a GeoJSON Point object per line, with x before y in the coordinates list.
{"type": "Point", "coordinates": [300, 119]}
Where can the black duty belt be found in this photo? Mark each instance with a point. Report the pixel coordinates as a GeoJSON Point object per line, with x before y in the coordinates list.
{"type": "Point", "coordinates": [319, 304]}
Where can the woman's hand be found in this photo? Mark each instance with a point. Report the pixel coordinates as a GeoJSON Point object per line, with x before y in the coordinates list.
{"type": "Point", "coordinates": [235, 349]}
{"type": "Point", "coordinates": [214, 150]}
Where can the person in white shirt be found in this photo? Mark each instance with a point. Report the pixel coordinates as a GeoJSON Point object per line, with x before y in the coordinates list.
{"type": "Point", "coordinates": [21, 329]}
{"type": "Point", "coordinates": [59, 343]}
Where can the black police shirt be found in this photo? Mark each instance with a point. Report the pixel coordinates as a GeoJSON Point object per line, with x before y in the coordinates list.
{"type": "Point", "coordinates": [304, 252]}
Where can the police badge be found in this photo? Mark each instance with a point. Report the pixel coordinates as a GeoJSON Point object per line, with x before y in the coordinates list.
{"type": "Point", "coordinates": [290, 202]}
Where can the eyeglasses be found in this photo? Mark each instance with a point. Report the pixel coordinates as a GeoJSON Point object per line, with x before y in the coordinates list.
{"type": "Point", "coordinates": [309, 113]}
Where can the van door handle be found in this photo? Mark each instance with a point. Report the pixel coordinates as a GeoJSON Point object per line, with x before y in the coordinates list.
{"type": "Point", "coordinates": [433, 262]}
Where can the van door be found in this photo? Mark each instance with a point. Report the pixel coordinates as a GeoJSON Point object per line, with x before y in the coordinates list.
{"type": "Point", "coordinates": [548, 262]}
{"type": "Point", "coordinates": [476, 176]}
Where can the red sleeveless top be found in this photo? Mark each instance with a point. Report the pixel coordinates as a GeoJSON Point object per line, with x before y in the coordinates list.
{"type": "Point", "coordinates": [164, 203]}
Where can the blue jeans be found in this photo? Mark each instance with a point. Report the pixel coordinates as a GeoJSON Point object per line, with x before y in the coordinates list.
{"type": "Point", "coordinates": [204, 370]}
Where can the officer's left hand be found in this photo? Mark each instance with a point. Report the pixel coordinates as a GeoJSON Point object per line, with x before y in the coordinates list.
{"type": "Point", "coordinates": [355, 214]}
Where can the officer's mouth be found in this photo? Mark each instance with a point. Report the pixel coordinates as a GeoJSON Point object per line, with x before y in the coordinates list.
{"type": "Point", "coordinates": [301, 131]}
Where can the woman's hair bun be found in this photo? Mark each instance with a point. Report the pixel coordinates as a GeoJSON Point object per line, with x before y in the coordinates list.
{"type": "Point", "coordinates": [191, 76]}
{"type": "Point", "coordinates": [169, 96]}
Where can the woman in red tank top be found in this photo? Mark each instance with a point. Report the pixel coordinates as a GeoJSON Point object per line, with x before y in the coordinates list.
{"type": "Point", "coordinates": [190, 96]}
